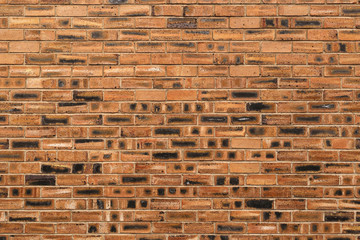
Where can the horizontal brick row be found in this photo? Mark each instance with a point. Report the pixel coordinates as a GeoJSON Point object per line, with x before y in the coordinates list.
{"type": "Point", "coordinates": [178, 228]}
{"type": "Point", "coordinates": [146, 118]}
{"type": "Point", "coordinates": [236, 143]}
{"type": "Point", "coordinates": [269, 83]}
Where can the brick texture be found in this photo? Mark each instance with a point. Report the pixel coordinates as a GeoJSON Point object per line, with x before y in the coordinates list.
{"type": "Point", "coordinates": [179, 120]}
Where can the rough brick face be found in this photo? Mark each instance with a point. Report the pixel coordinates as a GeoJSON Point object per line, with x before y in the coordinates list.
{"type": "Point", "coordinates": [179, 120]}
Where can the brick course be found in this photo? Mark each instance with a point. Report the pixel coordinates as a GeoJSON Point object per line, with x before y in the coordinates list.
{"type": "Point", "coordinates": [179, 120]}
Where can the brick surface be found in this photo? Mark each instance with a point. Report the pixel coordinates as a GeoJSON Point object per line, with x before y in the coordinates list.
{"type": "Point", "coordinates": [179, 120]}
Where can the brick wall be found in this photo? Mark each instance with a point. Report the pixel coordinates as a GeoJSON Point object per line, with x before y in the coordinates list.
{"type": "Point", "coordinates": [179, 119]}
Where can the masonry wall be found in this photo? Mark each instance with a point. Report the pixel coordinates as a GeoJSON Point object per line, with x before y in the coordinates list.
{"type": "Point", "coordinates": [179, 119]}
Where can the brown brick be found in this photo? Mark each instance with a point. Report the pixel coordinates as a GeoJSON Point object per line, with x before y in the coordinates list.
{"type": "Point", "coordinates": [155, 120]}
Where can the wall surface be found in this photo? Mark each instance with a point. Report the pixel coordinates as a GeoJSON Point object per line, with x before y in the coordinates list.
{"type": "Point", "coordinates": [179, 119]}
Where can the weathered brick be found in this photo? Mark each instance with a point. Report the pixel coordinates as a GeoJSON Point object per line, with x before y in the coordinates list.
{"type": "Point", "coordinates": [155, 120]}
